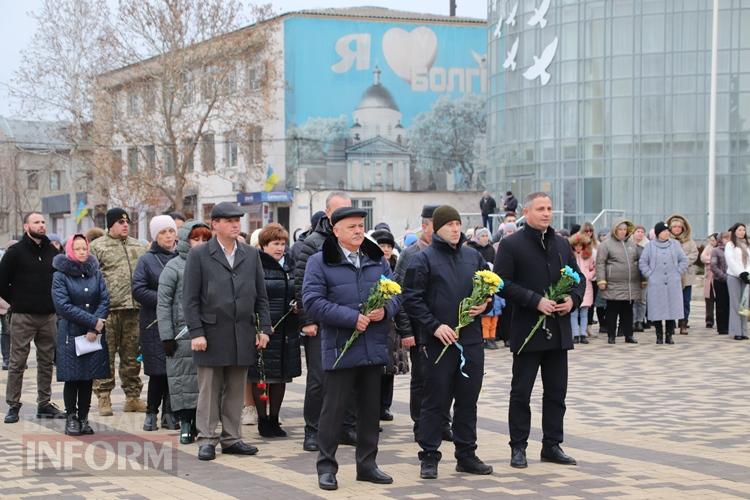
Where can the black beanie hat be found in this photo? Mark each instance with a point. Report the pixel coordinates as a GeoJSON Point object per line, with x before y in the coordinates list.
{"type": "Point", "coordinates": [115, 214]}
{"type": "Point", "coordinates": [383, 236]}
{"type": "Point", "coordinates": [659, 227]}
{"type": "Point", "coordinates": [443, 215]}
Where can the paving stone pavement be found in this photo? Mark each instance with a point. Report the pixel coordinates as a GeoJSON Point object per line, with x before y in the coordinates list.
{"type": "Point", "coordinates": [643, 421]}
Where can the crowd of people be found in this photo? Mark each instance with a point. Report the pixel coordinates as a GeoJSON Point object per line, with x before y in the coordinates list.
{"type": "Point", "coordinates": [218, 321]}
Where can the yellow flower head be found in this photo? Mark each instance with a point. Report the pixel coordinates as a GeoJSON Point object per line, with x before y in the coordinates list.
{"type": "Point", "coordinates": [489, 278]}
{"type": "Point", "coordinates": [389, 288]}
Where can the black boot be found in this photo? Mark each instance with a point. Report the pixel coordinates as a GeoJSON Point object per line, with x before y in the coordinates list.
{"type": "Point", "coordinates": [611, 339]}
{"type": "Point", "coordinates": [72, 425]}
{"type": "Point", "coordinates": [86, 429]}
{"type": "Point", "coordinates": [168, 420]}
{"type": "Point", "coordinates": [429, 464]}
{"type": "Point", "coordinates": [186, 431]}
{"type": "Point", "coordinates": [149, 423]}
{"type": "Point", "coordinates": [264, 427]}
{"type": "Point", "coordinates": [659, 333]}
{"type": "Point", "coordinates": [276, 427]}
{"type": "Point", "coordinates": [683, 327]}
{"type": "Point", "coordinates": [669, 333]}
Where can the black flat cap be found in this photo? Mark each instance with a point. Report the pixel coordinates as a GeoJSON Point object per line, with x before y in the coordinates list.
{"type": "Point", "coordinates": [427, 211]}
{"type": "Point", "coordinates": [344, 212]}
{"type": "Point", "coordinates": [226, 210]}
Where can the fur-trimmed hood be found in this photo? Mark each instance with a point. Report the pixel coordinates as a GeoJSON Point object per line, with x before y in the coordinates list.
{"type": "Point", "coordinates": [333, 255]}
{"type": "Point", "coordinates": [687, 233]}
{"type": "Point", "coordinates": [183, 245]}
{"type": "Point", "coordinates": [631, 228]}
{"type": "Point", "coordinates": [74, 268]}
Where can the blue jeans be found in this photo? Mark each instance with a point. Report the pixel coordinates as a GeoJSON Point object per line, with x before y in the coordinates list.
{"type": "Point", "coordinates": [579, 320]}
{"type": "Point", "coordinates": [687, 294]}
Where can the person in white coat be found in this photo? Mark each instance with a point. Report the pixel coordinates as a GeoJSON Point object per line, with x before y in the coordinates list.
{"type": "Point", "coordinates": [737, 252]}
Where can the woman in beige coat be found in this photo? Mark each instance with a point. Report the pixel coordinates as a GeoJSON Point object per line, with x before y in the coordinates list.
{"type": "Point", "coordinates": [680, 229]}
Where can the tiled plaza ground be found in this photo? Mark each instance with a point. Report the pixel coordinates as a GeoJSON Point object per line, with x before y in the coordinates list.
{"type": "Point", "coordinates": [644, 421]}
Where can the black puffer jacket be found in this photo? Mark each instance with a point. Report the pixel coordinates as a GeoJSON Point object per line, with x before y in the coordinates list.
{"type": "Point", "coordinates": [312, 244]}
{"type": "Point", "coordinates": [282, 355]}
{"type": "Point", "coordinates": [145, 287]}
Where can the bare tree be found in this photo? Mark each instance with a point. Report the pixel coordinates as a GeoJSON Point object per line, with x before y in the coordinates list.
{"type": "Point", "coordinates": [157, 77]}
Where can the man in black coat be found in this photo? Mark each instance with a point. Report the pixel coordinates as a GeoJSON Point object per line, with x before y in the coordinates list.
{"type": "Point", "coordinates": [409, 331]}
{"type": "Point", "coordinates": [529, 261]}
{"type": "Point", "coordinates": [439, 277]}
{"type": "Point", "coordinates": [511, 203]}
{"type": "Point", "coordinates": [488, 206]}
{"type": "Point", "coordinates": [26, 284]}
{"type": "Point", "coordinates": [314, 383]}
{"type": "Point", "coordinates": [224, 299]}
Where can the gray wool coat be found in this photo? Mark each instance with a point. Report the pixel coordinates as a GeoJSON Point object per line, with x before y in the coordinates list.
{"type": "Point", "coordinates": [662, 263]}
{"type": "Point", "coordinates": [220, 303]}
{"type": "Point", "coordinates": [181, 372]}
{"type": "Point", "coordinates": [617, 266]}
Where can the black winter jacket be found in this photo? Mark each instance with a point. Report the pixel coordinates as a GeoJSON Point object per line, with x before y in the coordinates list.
{"type": "Point", "coordinates": [487, 252]}
{"type": "Point", "coordinates": [529, 262]}
{"type": "Point", "coordinates": [282, 355]}
{"type": "Point", "coordinates": [439, 277]}
{"type": "Point", "coordinates": [311, 245]}
{"type": "Point", "coordinates": [145, 288]}
{"type": "Point", "coordinates": [26, 276]}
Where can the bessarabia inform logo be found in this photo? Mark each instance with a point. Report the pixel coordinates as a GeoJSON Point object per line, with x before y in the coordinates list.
{"type": "Point", "coordinates": [105, 454]}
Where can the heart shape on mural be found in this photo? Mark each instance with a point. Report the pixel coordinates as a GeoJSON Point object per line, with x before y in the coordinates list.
{"type": "Point", "coordinates": [407, 51]}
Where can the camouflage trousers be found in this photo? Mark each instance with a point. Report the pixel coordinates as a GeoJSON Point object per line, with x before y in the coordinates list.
{"type": "Point", "coordinates": [122, 339]}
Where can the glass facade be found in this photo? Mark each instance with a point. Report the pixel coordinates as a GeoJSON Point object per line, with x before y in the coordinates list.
{"type": "Point", "coordinates": [622, 122]}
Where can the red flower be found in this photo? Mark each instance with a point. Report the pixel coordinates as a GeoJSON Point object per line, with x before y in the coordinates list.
{"type": "Point", "coordinates": [261, 385]}
{"type": "Point", "coordinates": [264, 397]}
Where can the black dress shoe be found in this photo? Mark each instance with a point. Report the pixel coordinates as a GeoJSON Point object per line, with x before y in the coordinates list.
{"type": "Point", "coordinates": [348, 438]}
{"type": "Point", "coordinates": [584, 340]}
{"type": "Point", "coordinates": [310, 443]}
{"type": "Point", "coordinates": [576, 339]}
{"type": "Point", "coordinates": [473, 465]}
{"type": "Point", "coordinates": [518, 458]}
{"type": "Point", "coordinates": [374, 475]}
{"type": "Point", "coordinates": [506, 343]}
{"type": "Point", "coordinates": [327, 481]}
{"type": "Point", "coordinates": [49, 411]}
{"type": "Point", "coordinates": [386, 415]}
{"type": "Point", "coordinates": [240, 448]}
{"type": "Point", "coordinates": [206, 452]}
{"type": "Point", "coordinates": [637, 326]}
{"type": "Point", "coordinates": [611, 340]}
{"type": "Point", "coordinates": [555, 455]}
{"type": "Point", "coordinates": [630, 340]}
{"type": "Point", "coordinates": [12, 416]}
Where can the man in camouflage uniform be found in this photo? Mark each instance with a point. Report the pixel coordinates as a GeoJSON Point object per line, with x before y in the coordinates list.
{"type": "Point", "coordinates": [118, 254]}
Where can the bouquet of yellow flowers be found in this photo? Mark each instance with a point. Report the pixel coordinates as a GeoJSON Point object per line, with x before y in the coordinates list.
{"type": "Point", "coordinates": [384, 289]}
{"type": "Point", "coordinates": [486, 284]}
{"type": "Point", "coordinates": [556, 292]}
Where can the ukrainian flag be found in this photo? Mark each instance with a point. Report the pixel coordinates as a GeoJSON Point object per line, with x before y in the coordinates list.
{"type": "Point", "coordinates": [81, 211]}
{"type": "Point", "coordinates": [271, 179]}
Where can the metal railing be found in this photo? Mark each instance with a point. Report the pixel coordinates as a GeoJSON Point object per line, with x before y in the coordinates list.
{"type": "Point", "coordinates": [606, 218]}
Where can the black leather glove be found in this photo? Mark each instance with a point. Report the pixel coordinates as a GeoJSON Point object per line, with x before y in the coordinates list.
{"type": "Point", "coordinates": [745, 278]}
{"type": "Point", "coordinates": [170, 347]}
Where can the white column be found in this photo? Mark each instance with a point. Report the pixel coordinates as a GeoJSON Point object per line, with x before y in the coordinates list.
{"type": "Point", "coordinates": [712, 120]}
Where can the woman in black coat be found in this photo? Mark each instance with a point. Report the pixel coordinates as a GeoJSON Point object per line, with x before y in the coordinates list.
{"type": "Point", "coordinates": [82, 304]}
{"type": "Point", "coordinates": [145, 287]}
{"type": "Point", "coordinates": [281, 358]}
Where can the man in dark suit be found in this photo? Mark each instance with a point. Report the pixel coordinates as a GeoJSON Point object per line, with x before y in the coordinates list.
{"type": "Point", "coordinates": [337, 282]}
{"type": "Point", "coordinates": [223, 292]}
{"type": "Point", "coordinates": [529, 261]}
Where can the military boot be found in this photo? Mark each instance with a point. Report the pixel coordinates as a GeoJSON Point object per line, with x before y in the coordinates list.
{"type": "Point", "coordinates": [134, 404]}
{"type": "Point", "coordinates": [105, 405]}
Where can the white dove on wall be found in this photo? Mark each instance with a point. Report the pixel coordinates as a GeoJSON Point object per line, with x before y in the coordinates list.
{"type": "Point", "coordinates": [511, 19]}
{"type": "Point", "coordinates": [538, 17]}
{"type": "Point", "coordinates": [510, 60]}
{"type": "Point", "coordinates": [541, 63]}
{"type": "Point", "coordinates": [498, 29]}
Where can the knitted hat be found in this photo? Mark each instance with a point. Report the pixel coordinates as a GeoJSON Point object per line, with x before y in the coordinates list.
{"type": "Point", "coordinates": [115, 214]}
{"type": "Point", "coordinates": [659, 227]}
{"type": "Point", "coordinates": [443, 215]}
{"type": "Point", "coordinates": [383, 236]}
{"type": "Point", "coordinates": [160, 223]}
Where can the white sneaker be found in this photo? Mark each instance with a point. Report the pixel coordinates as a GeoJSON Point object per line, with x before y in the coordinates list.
{"type": "Point", "coordinates": [249, 415]}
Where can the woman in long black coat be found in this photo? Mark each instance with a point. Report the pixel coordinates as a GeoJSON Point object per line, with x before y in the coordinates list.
{"type": "Point", "coordinates": [82, 304]}
{"type": "Point", "coordinates": [281, 358]}
{"type": "Point", "coordinates": [145, 290]}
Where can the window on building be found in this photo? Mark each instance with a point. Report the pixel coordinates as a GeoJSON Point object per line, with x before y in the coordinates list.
{"type": "Point", "coordinates": [132, 160]}
{"type": "Point", "coordinates": [55, 180]}
{"type": "Point", "coordinates": [32, 179]}
{"type": "Point", "coordinates": [208, 82]}
{"type": "Point", "coordinates": [254, 145]}
{"type": "Point", "coordinates": [208, 153]}
{"type": "Point", "coordinates": [116, 162]}
{"type": "Point", "coordinates": [168, 160]}
{"type": "Point", "coordinates": [366, 205]}
{"type": "Point", "coordinates": [230, 79]}
{"type": "Point", "coordinates": [187, 152]}
{"type": "Point", "coordinates": [231, 149]}
{"type": "Point", "coordinates": [188, 88]}
{"type": "Point", "coordinates": [3, 221]}
{"type": "Point", "coordinates": [150, 153]}
{"type": "Point", "coordinates": [132, 103]}
{"type": "Point", "coordinates": [149, 97]}
{"type": "Point", "coordinates": [255, 75]}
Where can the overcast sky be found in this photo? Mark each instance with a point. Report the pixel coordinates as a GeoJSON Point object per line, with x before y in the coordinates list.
{"type": "Point", "coordinates": [16, 27]}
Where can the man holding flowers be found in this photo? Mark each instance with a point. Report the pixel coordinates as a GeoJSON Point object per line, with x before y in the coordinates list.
{"type": "Point", "coordinates": [534, 262]}
{"type": "Point", "coordinates": [337, 294]}
{"type": "Point", "coordinates": [437, 280]}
